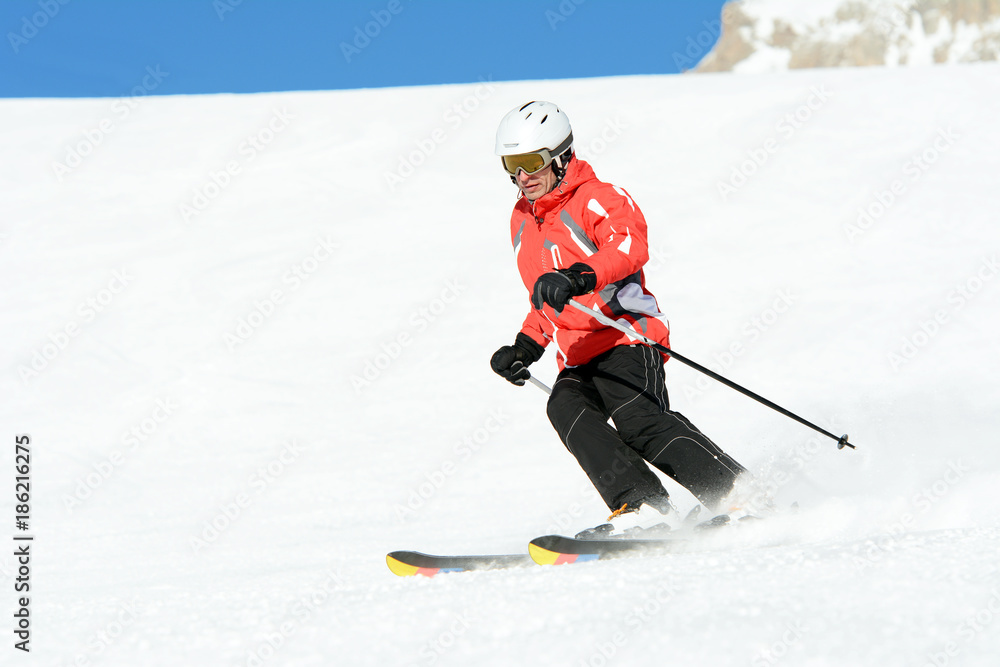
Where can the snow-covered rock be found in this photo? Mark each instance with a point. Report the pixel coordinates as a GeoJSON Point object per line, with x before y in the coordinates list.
{"type": "Point", "coordinates": [772, 35]}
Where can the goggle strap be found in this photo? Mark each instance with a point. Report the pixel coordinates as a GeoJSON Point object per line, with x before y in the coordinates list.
{"type": "Point", "coordinates": [564, 146]}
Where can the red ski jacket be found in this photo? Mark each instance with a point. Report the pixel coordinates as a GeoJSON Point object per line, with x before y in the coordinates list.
{"type": "Point", "coordinates": [586, 220]}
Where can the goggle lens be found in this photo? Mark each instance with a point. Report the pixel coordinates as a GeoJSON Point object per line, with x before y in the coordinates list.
{"type": "Point", "coordinates": [529, 162]}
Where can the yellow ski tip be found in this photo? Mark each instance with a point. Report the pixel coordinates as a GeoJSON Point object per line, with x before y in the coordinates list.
{"type": "Point", "coordinates": [543, 556]}
{"type": "Point", "coordinates": [400, 568]}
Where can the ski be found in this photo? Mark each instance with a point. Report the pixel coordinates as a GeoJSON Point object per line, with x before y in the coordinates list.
{"type": "Point", "coordinates": [559, 549]}
{"type": "Point", "coordinates": [545, 550]}
{"type": "Point", "coordinates": [412, 563]}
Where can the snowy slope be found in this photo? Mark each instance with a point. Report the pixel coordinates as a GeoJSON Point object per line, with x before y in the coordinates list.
{"type": "Point", "coordinates": [249, 338]}
{"type": "Point", "coordinates": [775, 35]}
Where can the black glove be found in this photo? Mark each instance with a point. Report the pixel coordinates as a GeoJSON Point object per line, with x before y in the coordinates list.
{"type": "Point", "coordinates": [511, 361]}
{"type": "Point", "coordinates": [556, 288]}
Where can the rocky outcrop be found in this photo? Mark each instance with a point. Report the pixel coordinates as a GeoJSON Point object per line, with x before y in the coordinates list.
{"type": "Point", "coordinates": [764, 35]}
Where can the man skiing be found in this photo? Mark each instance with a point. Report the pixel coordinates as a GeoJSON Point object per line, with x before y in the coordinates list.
{"type": "Point", "coordinates": [576, 237]}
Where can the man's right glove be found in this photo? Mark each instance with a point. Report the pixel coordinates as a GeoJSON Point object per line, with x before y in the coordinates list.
{"type": "Point", "coordinates": [511, 361]}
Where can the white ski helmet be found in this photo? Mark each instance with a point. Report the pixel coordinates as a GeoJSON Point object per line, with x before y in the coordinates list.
{"type": "Point", "coordinates": [538, 128]}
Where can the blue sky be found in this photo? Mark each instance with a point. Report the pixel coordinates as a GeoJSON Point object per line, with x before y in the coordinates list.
{"type": "Point", "coordinates": [106, 48]}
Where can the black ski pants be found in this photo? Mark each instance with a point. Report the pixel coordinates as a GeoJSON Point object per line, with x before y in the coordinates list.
{"type": "Point", "coordinates": [626, 384]}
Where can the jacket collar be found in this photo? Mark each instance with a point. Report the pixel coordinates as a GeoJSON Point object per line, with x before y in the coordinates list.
{"type": "Point", "coordinates": [578, 173]}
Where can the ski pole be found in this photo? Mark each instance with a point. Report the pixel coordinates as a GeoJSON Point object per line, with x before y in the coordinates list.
{"type": "Point", "coordinates": [604, 319]}
{"type": "Point", "coordinates": [538, 383]}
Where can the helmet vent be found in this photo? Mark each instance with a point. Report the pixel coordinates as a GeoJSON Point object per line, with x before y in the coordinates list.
{"type": "Point", "coordinates": [526, 105]}
{"type": "Point", "coordinates": [544, 119]}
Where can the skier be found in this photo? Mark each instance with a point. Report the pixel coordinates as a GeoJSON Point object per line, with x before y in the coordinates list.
{"type": "Point", "coordinates": [576, 237]}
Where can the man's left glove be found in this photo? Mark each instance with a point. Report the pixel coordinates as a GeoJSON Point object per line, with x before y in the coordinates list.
{"type": "Point", "coordinates": [556, 288]}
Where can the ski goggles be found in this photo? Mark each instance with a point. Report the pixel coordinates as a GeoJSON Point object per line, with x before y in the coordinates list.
{"type": "Point", "coordinates": [531, 163]}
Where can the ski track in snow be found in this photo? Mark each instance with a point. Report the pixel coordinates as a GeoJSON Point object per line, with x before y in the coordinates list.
{"type": "Point", "coordinates": [302, 362]}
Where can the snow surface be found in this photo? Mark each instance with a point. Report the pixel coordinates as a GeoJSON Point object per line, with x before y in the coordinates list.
{"type": "Point", "coordinates": [151, 419]}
